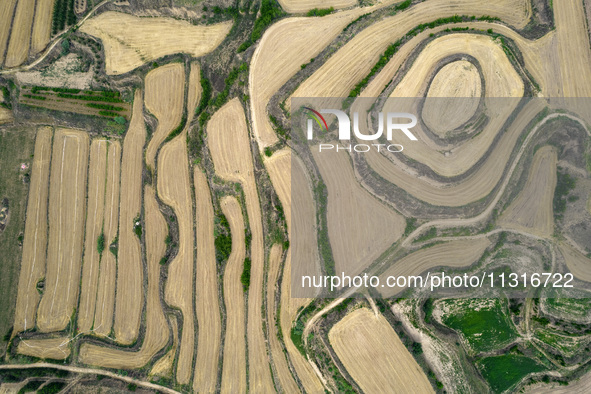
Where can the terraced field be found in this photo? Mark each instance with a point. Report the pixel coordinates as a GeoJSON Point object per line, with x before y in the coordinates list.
{"type": "Point", "coordinates": [175, 235]}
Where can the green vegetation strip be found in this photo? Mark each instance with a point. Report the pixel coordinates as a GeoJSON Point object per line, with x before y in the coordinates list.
{"type": "Point", "coordinates": [393, 48]}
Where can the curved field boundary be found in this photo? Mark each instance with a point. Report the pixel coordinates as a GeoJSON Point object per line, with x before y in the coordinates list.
{"type": "Point", "coordinates": [360, 227]}
{"type": "Point", "coordinates": [157, 334]}
{"type": "Point", "coordinates": [129, 43]}
{"type": "Point", "coordinates": [475, 186]}
{"type": "Point", "coordinates": [20, 34]}
{"type": "Point", "coordinates": [174, 189]}
{"type": "Point", "coordinates": [284, 170]}
{"type": "Point", "coordinates": [206, 291]}
{"type": "Point", "coordinates": [442, 223]}
{"type": "Point", "coordinates": [97, 174]}
{"type": "Point", "coordinates": [67, 203]}
{"type": "Point", "coordinates": [229, 145]}
{"type": "Point", "coordinates": [372, 353]}
{"type": "Point", "coordinates": [94, 371]}
{"type": "Point", "coordinates": [286, 380]}
{"type": "Point", "coordinates": [451, 254]}
{"type": "Point", "coordinates": [105, 297]}
{"type": "Point", "coordinates": [452, 84]}
{"type": "Point", "coordinates": [298, 6]}
{"type": "Point", "coordinates": [164, 98]}
{"type": "Point", "coordinates": [163, 366]}
{"type": "Point", "coordinates": [234, 368]}
{"type": "Point", "coordinates": [578, 264]}
{"type": "Point", "coordinates": [532, 210]}
{"type": "Point", "coordinates": [53, 348]}
{"type": "Point", "coordinates": [130, 274]}
{"type": "Point", "coordinates": [35, 241]}
{"type": "Point", "coordinates": [42, 25]}
{"type": "Point", "coordinates": [285, 46]}
{"type": "Point", "coordinates": [355, 59]}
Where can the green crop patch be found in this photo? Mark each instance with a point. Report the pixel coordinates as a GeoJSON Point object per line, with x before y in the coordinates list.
{"type": "Point", "coordinates": [503, 372]}
{"type": "Point", "coordinates": [483, 323]}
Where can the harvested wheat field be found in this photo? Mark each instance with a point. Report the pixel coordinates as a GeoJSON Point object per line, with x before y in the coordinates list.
{"type": "Point", "coordinates": [42, 25]}
{"type": "Point", "coordinates": [283, 49]}
{"type": "Point", "coordinates": [574, 54]}
{"type": "Point", "coordinates": [67, 200]}
{"type": "Point", "coordinates": [282, 371]}
{"type": "Point", "coordinates": [164, 366]}
{"type": "Point", "coordinates": [194, 90]}
{"type": "Point", "coordinates": [174, 189]}
{"type": "Point", "coordinates": [475, 186]}
{"type": "Point", "coordinates": [532, 210]}
{"type": "Point", "coordinates": [374, 356]}
{"type": "Point", "coordinates": [460, 253]}
{"type": "Point", "coordinates": [35, 240]}
{"type": "Point", "coordinates": [233, 162]}
{"type": "Point", "coordinates": [20, 34]}
{"type": "Point", "coordinates": [298, 6]}
{"type": "Point", "coordinates": [234, 361]}
{"type": "Point", "coordinates": [353, 61]}
{"type": "Point", "coordinates": [285, 169]}
{"type": "Point", "coordinates": [156, 334]}
{"type": "Point", "coordinates": [501, 80]}
{"type": "Point", "coordinates": [97, 174]}
{"type": "Point", "coordinates": [454, 88]}
{"type": "Point", "coordinates": [5, 116]}
{"type": "Point", "coordinates": [131, 41]}
{"type": "Point", "coordinates": [105, 296]}
{"type": "Point", "coordinates": [6, 13]}
{"type": "Point", "coordinates": [52, 348]}
{"type": "Point", "coordinates": [360, 227]}
{"type": "Point", "coordinates": [206, 290]}
{"type": "Point", "coordinates": [164, 99]}
{"type": "Point", "coordinates": [129, 293]}
{"type": "Point", "coordinates": [578, 264]}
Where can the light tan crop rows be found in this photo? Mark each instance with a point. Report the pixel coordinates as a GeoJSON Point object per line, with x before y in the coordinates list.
{"type": "Point", "coordinates": [285, 169]}
{"type": "Point", "coordinates": [531, 211]}
{"type": "Point", "coordinates": [156, 336]}
{"type": "Point", "coordinates": [374, 356]}
{"type": "Point", "coordinates": [131, 41]}
{"type": "Point", "coordinates": [53, 348]}
{"type": "Point", "coordinates": [164, 97]}
{"type": "Point", "coordinates": [35, 241]}
{"type": "Point", "coordinates": [94, 227]}
{"type": "Point", "coordinates": [297, 6]}
{"type": "Point", "coordinates": [284, 376]}
{"type": "Point", "coordinates": [501, 81]}
{"type": "Point", "coordinates": [67, 201]}
{"type": "Point", "coordinates": [206, 291]}
{"type": "Point", "coordinates": [578, 265]}
{"type": "Point", "coordinates": [475, 186]}
{"type": "Point", "coordinates": [285, 46]}
{"type": "Point", "coordinates": [129, 294]}
{"type": "Point", "coordinates": [234, 368]}
{"type": "Point", "coordinates": [452, 85]}
{"type": "Point", "coordinates": [163, 367]}
{"type": "Point", "coordinates": [105, 297]}
{"type": "Point", "coordinates": [6, 12]}
{"type": "Point", "coordinates": [20, 34]}
{"type": "Point", "coordinates": [455, 254]}
{"type": "Point", "coordinates": [360, 227]}
{"type": "Point", "coordinates": [42, 25]}
{"type": "Point", "coordinates": [174, 189]}
{"type": "Point", "coordinates": [354, 60]}
{"type": "Point", "coordinates": [230, 150]}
